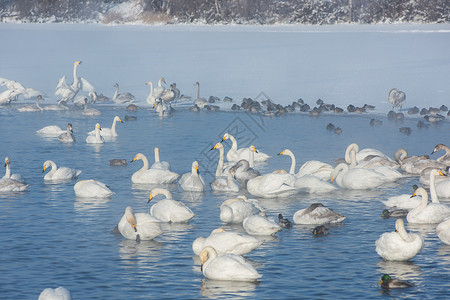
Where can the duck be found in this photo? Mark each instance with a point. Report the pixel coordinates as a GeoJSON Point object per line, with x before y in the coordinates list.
{"type": "Point", "coordinates": [109, 132]}
{"type": "Point", "coordinates": [235, 154]}
{"type": "Point", "coordinates": [158, 164]}
{"type": "Point", "coordinates": [32, 108]}
{"type": "Point", "coordinates": [399, 245]}
{"type": "Point", "coordinates": [235, 210]}
{"type": "Point", "coordinates": [283, 222]}
{"type": "Point", "coordinates": [444, 158]}
{"type": "Point", "coordinates": [427, 213]}
{"type": "Point", "coordinates": [228, 267]}
{"type": "Point", "coordinates": [68, 136]}
{"type": "Point", "coordinates": [356, 178]}
{"type": "Point", "coordinates": [226, 242]}
{"type": "Point", "coordinates": [97, 138]}
{"type": "Point", "coordinates": [317, 214]}
{"type": "Point", "coordinates": [92, 189]}
{"type": "Point", "coordinates": [117, 162]}
{"type": "Point", "coordinates": [138, 226]}
{"type": "Point", "coordinates": [153, 175]}
{"type": "Point", "coordinates": [169, 210]}
{"type": "Point", "coordinates": [260, 225]}
{"type": "Point", "coordinates": [387, 282]}
{"type": "Point", "coordinates": [320, 230]}
{"type": "Point", "coordinates": [61, 173]}
{"type": "Point", "coordinates": [122, 98]}
{"type": "Point", "coordinates": [8, 172]}
{"type": "Point", "coordinates": [404, 201]}
{"type": "Point", "coordinates": [50, 131]}
{"type": "Point", "coordinates": [60, 293]}
{"type": "Point", "coordinates": [443, 231]}
{"type": "Point", "coordinates": [192, 181]}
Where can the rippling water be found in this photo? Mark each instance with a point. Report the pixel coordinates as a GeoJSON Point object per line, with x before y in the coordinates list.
{"type": "Point", "coordinates": [50, 238]}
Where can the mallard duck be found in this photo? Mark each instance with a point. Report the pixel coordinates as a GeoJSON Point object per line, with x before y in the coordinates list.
{"type": "Point", "coordinates": [283, 222]}
{"type": "Point", "coordinates": [320, 230]}
{"type": "Point", "coordinates": [387, 282]}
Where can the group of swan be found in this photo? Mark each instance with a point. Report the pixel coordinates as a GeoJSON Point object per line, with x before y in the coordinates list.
{"type": "Point", "coordinates": [154, 175]}
{"type": "Point", "coordinates": [14, 90]}
{"type": "Point", "coordinates": [68, 92]}
{"type": "Point", "coordinates": [108, 132]}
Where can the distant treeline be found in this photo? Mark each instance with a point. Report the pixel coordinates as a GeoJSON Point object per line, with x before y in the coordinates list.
{"type": "Point", "coordinates": [231, 11]}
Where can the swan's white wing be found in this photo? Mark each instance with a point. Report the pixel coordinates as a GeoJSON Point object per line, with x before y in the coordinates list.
{"type": "Point", "coordinates": [86, 86]}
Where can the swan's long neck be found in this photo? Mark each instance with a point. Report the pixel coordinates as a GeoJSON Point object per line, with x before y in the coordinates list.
{"type": "Point", "coordinates": [53, 168]}
{"type": "Point", "coordinates": [352, 158]}
{"type": "Point", "coordinates": [234, 145]}
{"type": "Point", "coordinates": [402, 232]}
{"type": "Point", "coordinates": [113, 126]}
{"type": "Point", "coordinates": [7, 172]}
{"type": "Point", "coordinates": [447, 153]}
{"type": "Point", "coordinates": [219, 170]}
{"type": "Point", "coordinates": [251, 159]}
{"type": "Point", "coordinates": [75, 77]}
{"type": "Point", "coordinates": [151, 89]}
{"type": "Point", "coordinates": [434, 196]}
{"type": "Point", "coordinates": [350, 147]}
{"type": "Point", "coordinates": [37, 104]}
{"type": "Point", "coordinates": [159, 83]}
{"type": "Point", "coordinates": [198, 90]}
{"type": "Point", "coordinates": [116, 92]}
{"type": "Point", "coordinates": [97, 134]}
{"type": "Point", "coordinates": [424, 202]}
{"type": "Point", "coordinates": [293, 162]}
{"type": "Point", "coordinates": [400, 155]}
{"type": "Point", "coordinates": [158, 191]}
{"type": "Point", "coordinates": [157, 155]}
{"type": "Point", "coordinates": [230, 181]}
{"type": "Point", "coordinates": [145, 161]}
{"type": "Point", "coordinates": [339, 172]}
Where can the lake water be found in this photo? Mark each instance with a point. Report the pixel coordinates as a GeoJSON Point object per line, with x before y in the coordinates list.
{"type": "Point", "coordinates": [51, 238]}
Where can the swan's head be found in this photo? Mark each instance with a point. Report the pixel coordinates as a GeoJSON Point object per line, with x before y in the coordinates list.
{"type": "Point", "coordinates": [197, 245]}
{"type": "Point", "coordinates": [118, 119]}
{"type": "Point", "coordinates": [217, 146]}
{"type": "Point", "coordinates": [159, 191]}
{"type": "Point", "coordinates": [116, 85]}
{"type": "Point", "coordinates": [226, 136]}
{"type": "Point", "coordinates": [69, 127]}
{"type": "Point", "coordinates": [399, 224]}
{"type": "Point", "coordinates": [439, 147]}
{"type": "Point", "coordinates": [129, 216]}
{"type": "Point", "coordinates": [162, 79]}
{"type": "Point", "coordinates": [39, 97]}
{"type": "Point", "coordinates": [97, 126]}
{"type": "Point", "coordinates": [47, 164]}
{"type": "Point", "coordinates": [436, 172]}
{"type": "Point", "coordinates": [195, 167]}
{"type": "Point", "coordinates": [285, 152]}
{"type": "Point", "coordinates": [197, 84]}
{"type": "Point", "coordinates": [419, 192]}
{"type": "Point", "coordinates": [205, 254]}
{"type": "Point", "coordinates": [137, 157]}
{"type": "Point", "coordinates": [252, 148]}
{"type": "Point", "coordinates": [7, 161]}
{"type": "Point", "coordinates": [148, 83]}
{"type": "Point", "coordinates": [78, 62]}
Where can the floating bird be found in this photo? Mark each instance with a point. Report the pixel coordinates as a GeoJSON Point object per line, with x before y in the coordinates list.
{"type": "Point", "coordinates": [387, 282]}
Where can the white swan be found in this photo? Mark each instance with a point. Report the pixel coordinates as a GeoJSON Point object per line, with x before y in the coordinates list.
{"type": "Point", "coordinates": [61, 173]}
{"type": "Point", "coordinates": [138, 226]}
{"type": "Point", "coordinates": [438, 189]}
{"type": "Point", "coordinates": [237, 209]}
{"type": "Point", "coordinates": [404, 201]}
{"type": "Point", "coordinates": [200, 102]}
{"type": "Point", "coordinates": [80, 100]}
{"type": "Point", "coordinates": [445, 158]}
{"type": "Point", "coordinates": [317, 214]}
{"type": "Point", "coordinates": [68, 136]}
{"type": "Point", "coordinates": [159, 164]}
{"type": "Point", "coordinates": [56, 107]}
{"type": "Point", "coordinates": [7, 96]}
{"type": "Point", "coordinates": [97, 138]}
{"type": "Point", "coordinates": [316, 168]}
{"type": "Point", "coordinates": [11, 185]}
{"type": "Point", "coordinates": [8, 172]}
{"type": "Point", "coordinates": [164, 109]}
{"type": "Point", "coordinates": [168, 95]}
{"type": "Point", "coordinates": [169, 210]}
{"type": "Point", "coordinates": [153, 175]}
{"type": "Point", "coordinates": [415, 164]}
{"type": "Point", "coordinates": [59, 293]}
{"type": "Point", "coordinates": [361, 155]}
{"type": "Point", "coordinates": [357, 178]}
{"type": "Point", "coordinates": [427, 213]}
{"type": "Point", "coordinates": [244, 168]}
{"type": "Point", "coordinates": [443, 231]}
{"type": "Point", "coordinates": [192, 181]}
{"type": "Point", "coordinates": [273, 185]}
{"type": "Point", "coordinates": [50, 131]}
{"type": "Point", "coordinates": [235, 154]}
{"type": "Point", "coordinates": [222, 169]}
{"type": "Point", "coordinates": [222, 184]}
{"type": "Point", "coordinates": [399, 245]}
{"type": "Point", "coordinates": [32, 108]}
{"type": "Point", "coordinates": [226, 267]}
{"type": "Point", "coordinates": [68, 92]}
{"type": "Point", "coordinates": [443, 189]}
{"type": "Point", "coordinates": [226, 242]}
{"type": "Point", "coordinates": [122, 98]}
{"type": "Point", "coordinates": [92, 189]}
{"type": "Point", "coordinates": [308, 182]}
{"type": "Point", "coordinates": [158, 90]}
{"type": "Point", "coordinates": [151, 98]}
{"type": "Point", "coordinates": [109, 132]}
{"type": "Point", "coordinates": [260, 225]}
{"type": "Point", "coordinates": [90, 111]}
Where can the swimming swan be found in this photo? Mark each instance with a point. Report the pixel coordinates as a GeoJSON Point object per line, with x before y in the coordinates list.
{"type": "Point", "coordinates": [244, 168]}
{"type": "Point", "coordinates": [226, 267]}
{"type": "Point", "coordinates": [68, 136]}
{"type": "Point", "coordinates": [226, 242]}
{"type": "Point", "coordinates": [404, 201]}
{"type": "Point", "coordinates": [8, 172]}
{"type": "Point", "coordinates": [237, 209]}
{"type": "Point", "coordinates": [427, 213]}
{"type": "Point", "coordinates": [51, 131]}
{"type": "Point", "coordinates": [227, 184]}
{"type": "Point", "coordinates": [444, 158]}
{"type": "Point", "coordinates": [151, 98]}
{"type": "Point", "coordinates": [361, 155]}
{"type": "Point", "coordinates": [317, 214]}
{"type": "Point", "coordinates": [97, 138]}
{"type": "Point", "coordinates": [399, 245]}
{"type": "Point", "coordinates": [357, 178]}
{"type": "Point", "coordinates": [122, 98]}
{"type": "Point", "coordinates": [235, 154]}
{"type": "Point", "coordinates": [158, 164]}
{"type": "Point", "coordinates": [200, 102]}
{"type": "Point", "coordinates": [138, 226]}
{"type": "Point", "coordinates": [108, 132]}
{"type": "Point", "coordinates": [61, 173]}
{"type": "Point", "coordinates": [11, 185]}
{"type": "Point", "coordinates": [222, 168]}
{"type": "Point", "coordinates": [32, 108]}
{"type": "Point", "coordinates": [273, 185]}
{"type": "Point", "coordinates": [192, 181]}
{"type": "Point", "coordinates": [415, 164]}
{"type": "Point", "coordinates": [169, 210]}
{"type": "Point", "coordinates": [260, 225]}
{"type": "Point", "coordinates": [92, 188]}
{"type": "Point", "coordinates": [59, 293]}
{"type": "Point", "coordinates": [90, 111]}
{"type": "Point", "coordinates": [153, 175]}
{"type": "Point", "coordinates": [443, 231]}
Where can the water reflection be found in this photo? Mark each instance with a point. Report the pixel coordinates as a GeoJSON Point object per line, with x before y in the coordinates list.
{"type": "Point", "coordinates": [423, 229]}
{"type": "Point", "coordinates": [84, 203]}
{"type": "Point", "coordinates": [227, 289]}
{"type": "Point", "coordinates": [96, 147]}
{"type": "Point", "coordinates": [174, 231]}
{"type": "Point", "coordinates": [135, 253]}
{"type": "Point", "coordinates": [443, 253]}
{"type": "Point", "coordinates": [405, 270]}
{"type": "Point", "coordinates": [193, 198]}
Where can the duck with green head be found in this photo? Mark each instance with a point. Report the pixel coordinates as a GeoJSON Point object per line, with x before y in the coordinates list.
{"type": "Point", "coordinates": [387, 282]}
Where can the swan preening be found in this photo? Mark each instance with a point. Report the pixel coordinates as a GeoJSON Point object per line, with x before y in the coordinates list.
{"type": "Point", "coordinates": [443, 231]}
{"type": "Point", "coordinates": [260, 225]}
{"type": "Point", "coordinates": [92, 189]}
{"type": "Point", "coordinates": [226, 267]}
{"type": "Point", "coordinates": [235, 210]}
{"type": "Point", "coordinates": [167, 209]}
{"type": "Point", "coordinates": [396, 98]}
{"type": "Point", "coordinates": [153, 175]}
{"type": "Point", "coordinates": [399, 245]}
{"type": "Point", "coordinates": [317, 214]}
{"type": "Point", "coordinates": [68, 92]}
{"type": "Point", "coordinates": [138, 226]}
{"type": "Point", "coordinates": [226, 242]}
{"type": "Point", "coordinates": [59, 293]}
{"type": "Point", "coordinates": [61, 173]}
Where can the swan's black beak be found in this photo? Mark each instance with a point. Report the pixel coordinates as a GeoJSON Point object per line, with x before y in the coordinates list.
{"type": "Point", "coordinates": [281, 153]}
{"type": "Point", "coordinates": [43, 170]}
{"type": "Point", "coordinates": [150, 198]}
